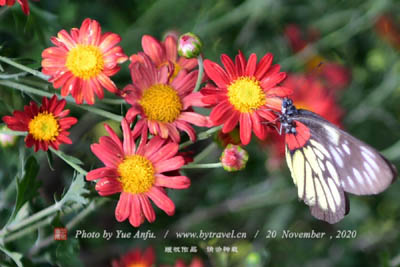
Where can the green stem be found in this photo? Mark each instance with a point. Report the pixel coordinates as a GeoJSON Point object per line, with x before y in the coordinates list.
{"type": "Point", "coordinates": [28, 230]}
{"type": "Point", "coordinates": [12, 76]}
{"type": "Point", "coordinates": [31, 219]}
{"type": "Point", "coordinates": [32, 90]}
{"type": "Point", "coordinates": [24, 68]}
{"type": "Point", "coordinates": [201, 136]}
{"type": "Point", "coordinates": [25, 88]}
{"type": "Point", "coordinates": [202, 166]}
{"type": "Point", "coordinates": [73, 165]}
{"type": "Point", "coordinates": [200, 75]}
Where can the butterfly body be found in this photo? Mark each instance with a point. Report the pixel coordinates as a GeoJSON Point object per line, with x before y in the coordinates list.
{"type": "Point", "coordinates": [326, 162]}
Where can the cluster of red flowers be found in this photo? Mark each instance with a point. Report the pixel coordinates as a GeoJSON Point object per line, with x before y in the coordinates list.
{"type": "Point", "coordinates": [243, 94]}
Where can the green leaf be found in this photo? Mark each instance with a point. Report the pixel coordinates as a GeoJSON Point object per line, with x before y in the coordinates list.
{"type": "Point", "coordinates": [76, 191]}
{"type": "Point", "coordinates": [16, 257]}
{"type": "Point", "coordinates": [27, 187]}
{"type": "Point", "coordinates": [67, 253]}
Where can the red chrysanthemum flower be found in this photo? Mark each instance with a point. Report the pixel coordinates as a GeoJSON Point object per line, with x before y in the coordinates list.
{"type": "Point", "coordinates": [162, 53]}
{"type": "Point", "coordinates": [311, 94]}
{"type": "Point", "coordinates": [164, 106]}
{"type": "Point", "coordinates": [137, 172]}
{"type": "Point", "coordinates": [245, 93]}
{"type": "Point", "coordinates": [24, 4]}
{"type": "Point", "coordinates": [82, 61]}
{"type": "Point", "coordinates": [136, 258]}
{"type": "Point", "coordinates": [46, 125]}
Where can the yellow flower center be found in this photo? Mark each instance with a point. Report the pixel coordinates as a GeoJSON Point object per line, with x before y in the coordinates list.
{"type": "Point", "coordinates": [85, 61]}
{"type": "Point", "coordinates": [136, 174]}
{"type": "Point", "coordinates": [44, 127]}
{"type": "Point", "coordinates": [161, 103]}
{"type": "Point", "coordinates": [246, 94]}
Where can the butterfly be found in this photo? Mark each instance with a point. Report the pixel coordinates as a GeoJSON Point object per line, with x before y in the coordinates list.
{"type": "Point", "coordinates": [326, 163]}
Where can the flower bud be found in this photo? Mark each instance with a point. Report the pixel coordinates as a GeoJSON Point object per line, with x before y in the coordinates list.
{"type": "Point", "coordinates": [189, 45]}
{"type": "Point", "coordinates": [234, 158]}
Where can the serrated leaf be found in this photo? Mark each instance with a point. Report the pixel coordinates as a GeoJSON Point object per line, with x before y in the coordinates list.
{"type": "Point", "coordinates": [76, 191]}
{"type": "Point", "coordinates": [16, 257]}
{"type": "Point", "coordinates": [27, 187]}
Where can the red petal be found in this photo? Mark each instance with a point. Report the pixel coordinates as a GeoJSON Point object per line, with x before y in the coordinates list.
{"type": "Point", "coordinates": [101, 173]}
{"type": "Point", "coordinates": [170, 48]}
{"type": "Point", "coordinates": [216, 73]}
{"type": "Point", "coordinates": [129, 144]}
{"type": "Point", "coordinates": [258, 127]}
{"type": "Point", "coordinates": [153, 146]}
{"type": "Point", "coordinates": [245, 128]}
{"type": "Point", "coordinates": [147, 208]}
{"type": "Point", "coordinates": [263, 66]}
{"type": "Point", "coordinates": [167, 151]}
{"type": "Point", "coordinates": [176, 182]}
{"type": "Point", "coordinates": [231, 122]}
{"type": "Point", "coordinates": [240, 62]}
{"type": "Point", "coordinates": [136, 217]}
{"type": "Point", "coordinates": [229, 66]}
{"type": "Point", "coordinates": [107, 83]}
{"type": "Point", "coordinates": [194, 118]}
{"type": "Point", "coordinates": [251, 65]}
{"type": "Point", "coordinates": [113, 136]}
{"type": "Point", "coordinates": [153, 49]}
{"type": "Point", "coordinates": [221, 112]}
{"type": "Point", "coordinates": [273, 80]}
{"type": "Point", "coordinates": [108, 186]}
{"type": "Point", "coordinates": [108, 41]}
{"type": "Point", "coordinates": [169, 165]}
{"type": "Point", "coordinates": [123, 209]}
{"type": "Point", "coordinates": [161, 200]}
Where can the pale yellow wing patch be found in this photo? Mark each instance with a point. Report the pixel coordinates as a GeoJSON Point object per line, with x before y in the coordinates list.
{"type": "Point", "coordinates": [317, 181]}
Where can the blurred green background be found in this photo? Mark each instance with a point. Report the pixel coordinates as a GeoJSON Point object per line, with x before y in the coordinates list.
{"type": "Point", "coordinates": [252, 200]}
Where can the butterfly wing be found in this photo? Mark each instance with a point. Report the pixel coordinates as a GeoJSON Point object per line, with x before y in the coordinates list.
{"type": "Point", "coordinates": [326, 162]}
